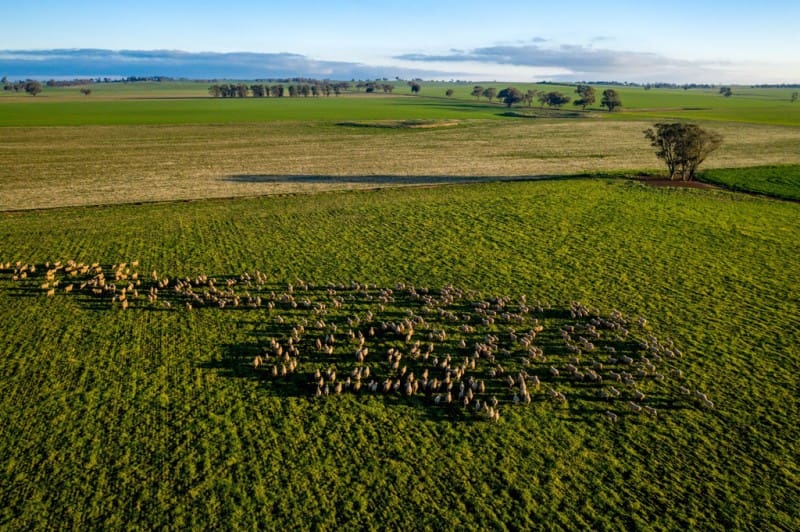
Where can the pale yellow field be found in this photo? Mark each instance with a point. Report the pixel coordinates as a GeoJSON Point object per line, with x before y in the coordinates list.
{"type": "Point", "coordinates": [48, 167]}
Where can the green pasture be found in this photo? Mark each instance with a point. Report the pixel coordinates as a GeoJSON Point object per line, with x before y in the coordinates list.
{"type": "Point", "coordinates": [153, 417]}
{"type": "Point", "coordinates": [778, 181]}
{"type": "Point", "coordinates": [189, 103]}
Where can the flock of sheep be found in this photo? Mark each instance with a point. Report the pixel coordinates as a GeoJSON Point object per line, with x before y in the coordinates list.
{"type": "Point", "coordinates": [458, 350]}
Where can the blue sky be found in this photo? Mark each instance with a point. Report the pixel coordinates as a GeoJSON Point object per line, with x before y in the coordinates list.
{"type": "Point", "coordinates": [682, 41]}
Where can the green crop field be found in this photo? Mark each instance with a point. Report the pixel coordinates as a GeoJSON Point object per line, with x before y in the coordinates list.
{"type": "Point", "coordinates": [189, 103]}
{"type": "Point", "coordinates": [779, 181]}
{"type": "Point", "coordinates": [258, 230]}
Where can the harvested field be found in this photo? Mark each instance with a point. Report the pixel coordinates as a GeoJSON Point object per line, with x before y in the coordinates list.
{"type": "Point", "coordinates": [90, 165]}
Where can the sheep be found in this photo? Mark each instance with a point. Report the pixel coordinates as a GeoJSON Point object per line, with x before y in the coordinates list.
{"type": "Point", "coordinates": [636, 409]}
{"type": "Point", "coordinates": [611, 416]}
{"type": "Point", "coordinates": [700, 395]}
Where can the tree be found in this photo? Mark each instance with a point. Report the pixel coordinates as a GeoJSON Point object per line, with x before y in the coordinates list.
{"type": "Point", "coordinates": [611, 100]}
{"type": "Point", "coordinates": [586, 94]}
{"type": "Point", "coordinates": [529, 96]}
{"type": "Point", "coordinates": [683, 147]}
{"type": "Point", "coordinates": [556, 99]}
{"type": "Point", "coordinates": [490, 93]}
{"type": "Point", "coordinates": [726, 91]}
{"type": "Point", "coordinates": [542, 99]}
{"type": "Point", "coordinates": [415, 87]}
{"type": "Point", "coordinates": [33, 87]}
{"type": "Point", "coordinates": [448, 93]}
{"type": "Point", "coordinates": [510, 96]}
{"type": "Point", "coordinates": [477, 91]}
{"type": "Point", "coordinates": [86, 91]}
{"type": "Point", "coordinates": [793, 97]}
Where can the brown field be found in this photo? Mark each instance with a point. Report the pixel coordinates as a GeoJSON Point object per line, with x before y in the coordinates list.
{"type": "Point", "coordinates": [45, 167]}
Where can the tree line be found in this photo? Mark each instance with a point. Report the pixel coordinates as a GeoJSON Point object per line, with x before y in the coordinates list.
{"type": "Point", "coordinates": [553, 99]}
{"type": "Point", "coordinates": [279, 90]}
{"type": "Point", "coordinates": [30, 86]}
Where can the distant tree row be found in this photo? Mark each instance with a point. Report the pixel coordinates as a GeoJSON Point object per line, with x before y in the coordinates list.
{"type": "Point", "coordinates": [553, 99]}
{"type": "Point", "coordinates": [69, 82]}
{"type": "Point", "coordinates": [258, 90]}
{"type": "Point", "coordinates": [30, 86]}
{"type": "Point", "coordinates": [371, 86]}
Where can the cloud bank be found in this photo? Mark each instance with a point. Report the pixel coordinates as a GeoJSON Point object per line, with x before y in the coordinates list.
{"type": "Point", "coordinates": [203, 65]}
{"type": "Point", "coordinates": [534, 60]}
{"type": "Point", "coordinates": [580, 62]}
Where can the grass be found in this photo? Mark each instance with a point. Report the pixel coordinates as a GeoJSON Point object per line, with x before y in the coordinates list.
{"type": "Point", "coordinates": [206, 110]}
{"type": "Point", "coordinates": [155, 417]}
{"type": "Point", "coordinates": [189, 103]}
{"type": "Point", "coordinates": [149, 416]}
{"type": "Point", "coordinates": [778, 181]}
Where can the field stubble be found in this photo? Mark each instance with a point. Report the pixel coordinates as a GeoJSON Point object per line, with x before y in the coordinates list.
{"type": "Point", "coordinates": [92, 165]}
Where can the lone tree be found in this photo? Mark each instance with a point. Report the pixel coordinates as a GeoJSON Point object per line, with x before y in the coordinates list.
{"type": "Point", "coordinates": [415, 87]}
{"type": "Point", "coordinates": [794, 96]}
{"type": "Point", "coordinates": [586, 94]}
{"type": "Point", "coordinates": [86, 91]}
{"type": "Point", "coordinates": [611, 100]}
{"type": "Point", "coordinates": [477, 91]}
{"type": "Point", "coordinates": [683, 147]}
{"type": "Point", "coordinates": [448, 93]}
{"type": "Point", "coordinates": [726, 91]}
{"type": "Point", "coordinates": [490, 93]}
{"type": "Point", "coordinates": [510, 96]}
{"type": "Point", "coordinates": [33, 87]}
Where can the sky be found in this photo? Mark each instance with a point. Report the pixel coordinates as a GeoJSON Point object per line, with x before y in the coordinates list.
{"type": "Point", "coordinates": [677, 41]}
